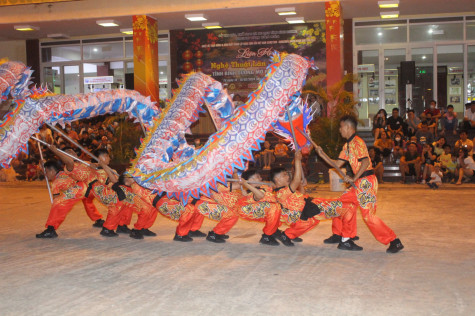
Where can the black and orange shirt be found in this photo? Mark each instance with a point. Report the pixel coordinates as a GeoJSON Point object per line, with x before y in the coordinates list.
{"type": "Point", "coordinates": [354, 152]}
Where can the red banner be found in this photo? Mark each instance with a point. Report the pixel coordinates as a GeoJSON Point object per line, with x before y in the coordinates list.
{"type": "Point", "coordinates": [333, 41]}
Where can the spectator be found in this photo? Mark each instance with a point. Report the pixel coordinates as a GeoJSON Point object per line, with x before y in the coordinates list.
{"type": "Point", "coordinates": [410, 163]}
{"type": "Point", "coordinates": [46, 135]}
{"type": "Point", "coordinates": [385, 145]}
{"type": "Point", "coordinates": [433, 111]}
{"type": "Point", "coordinates": [413, 139]}
{"type": "Point", "coordinates": [281, 150]}
{"type": "Point", "coordinates": [377, 164]}
{"type": "Point", "coordinates": [424, 132]}
{"type": "Point", "coordinates": [449, 121]}
{"type": "Point", "coordinates": [439, 146]}
{"type": "Point", "coordinates": [464, 142]}
{"type": "Point", "coordinates": [32, 170]}
{"type": "Point", "coordinates": [267, 156]}
{"type": "Point", "coordinates": [395, 123]}
{"type": "Point", "coordinates": [72, 133]}
{"type": "Point", "coordinates": [104, 144]}
{"type": "Point", "coordinates": [469, 117]}
{"type": "Point", "coordinates": [379, 123]}
{"type": "Point", "coordinates": [399, 145]}
{"type": "Point", "coordinates": [197, 143]}
{"type": "Point", "coordinates": [435, 177]}
{"type": "Point", "coordinates": [467, 166]}
{"type": "Point", "coordinates": [428, 160]}
{"type": "Point", "coordinates": [412, 123]}
{"type": "Point", "coordinates": [431, 123]}
{"type": "Point", "coordinates": [85, 141]}
{"type": "Point", "coordinates": [446, 165]}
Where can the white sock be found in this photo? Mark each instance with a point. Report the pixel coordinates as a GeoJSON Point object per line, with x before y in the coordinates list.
{"type": "Point", "coordinates": [343, 239]}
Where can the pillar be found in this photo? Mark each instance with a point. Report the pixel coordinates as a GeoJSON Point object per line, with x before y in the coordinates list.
{"type": "Point", "coordinates": [146, 56]}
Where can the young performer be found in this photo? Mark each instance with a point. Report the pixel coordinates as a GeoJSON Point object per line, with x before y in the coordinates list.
{"type": "Point", "coordinates": [299, 210]}
{"type": "Point", "coordinates": [355, 153]}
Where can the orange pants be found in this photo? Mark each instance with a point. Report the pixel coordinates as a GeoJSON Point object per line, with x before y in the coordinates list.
{"type": "Point", "coordinates": [226, 217]}
{"type": "Point", "coordinates": [146, 213]}
{"type": "Point", "coordinates": [185, 215]}
{"type": "Point", "coordinates": [63, 204]}
{"type": "Point", "coordinates": [364, 196]}
{"type": "Point", "coordinates": [267, 212]}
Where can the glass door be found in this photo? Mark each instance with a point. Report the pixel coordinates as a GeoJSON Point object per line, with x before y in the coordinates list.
{"type": "Point", "coordinates": [368, 83]}
{"type": "Point", "coordinates": [422, 91]}
{"type": "Point", "coordinates": [394, 93]}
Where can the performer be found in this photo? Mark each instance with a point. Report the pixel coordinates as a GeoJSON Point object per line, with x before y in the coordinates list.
{"type": "Point", "coordinates": [66, 193]}
{"type": "Point", "coordinates": [356, 154]}
{"type": "Point", "coordinates": [259, 204]}
{"type": "Point", "coordinates": [299, 210]}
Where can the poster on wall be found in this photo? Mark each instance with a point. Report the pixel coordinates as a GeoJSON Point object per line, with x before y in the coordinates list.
{"type": "Point", "coordinates": [238, 57]}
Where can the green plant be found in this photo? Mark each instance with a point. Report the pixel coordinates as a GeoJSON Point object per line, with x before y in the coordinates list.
{"type": "Point", "coordinates": [336, 102]}
{"type": "Point", "coordinates": [127, 138]}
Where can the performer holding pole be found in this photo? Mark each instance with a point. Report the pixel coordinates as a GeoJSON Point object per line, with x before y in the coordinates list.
{"type": "Point", "coordinates": [63, 152]}
{"type": "Point", "coordinates": [356, 154]}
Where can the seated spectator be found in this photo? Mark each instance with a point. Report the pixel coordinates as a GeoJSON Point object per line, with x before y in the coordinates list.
{"type": "Point", "coordinates": [377, 164]}
{"type": "Point", "coordinates": [410, 163]}
{"type": "Point", "coordinates": [379, 123]}
{"type": "Point", "coordinates": [281, 150]}
{"type": "Point", "coordinates": [266, 156]}
{"type": "Point", "coordinates": [469, 117]}
{"type": "Point", "coordinates": [384, 145]}
{"type": "Point", "coordinates": [104, 144]}
{"type": "Point", "coordinates": [466, 166]}
{"type": "Point", "coordinates": [395, 123]}
{"type": "Point", "coordinates": [46, 135]}
{"type": "Point", "coordinates": [439, 146]}
{"type": "Point", "coordinates": [464, 142]}
{"type": "Point", "coordinates": [197, 143]}
{"type": "Point", "coordinates": [431, 123]}
{"type": "Point", "coordinates": [32, 170]}
{"type": "Point", "coordinates": [412, 123]}
{"type": "Point", "coordinates": [428, 159]}
{"type": "Point", "coordinates": [449, 121]}
{"type": "Point", "coordinates": [446, 164]}
{"type": "Point", "coordinates": [72, 133]}
{"type": "Point", "coordinates": [399, 145]}
{"type": "Point", "coordinates": [433, 111]}
{"type": "Point", "coordinates": [85, 141]}
{"type": "Point", "coordinates": [435, 177]}
{"type": "Point", "coordinates": [413, 139]}
{"type": "Point", "coordinates": [424, 132]}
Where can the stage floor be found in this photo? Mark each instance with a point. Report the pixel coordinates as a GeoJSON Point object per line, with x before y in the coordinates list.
{"type": "Point", "coordinates": [83, 273]}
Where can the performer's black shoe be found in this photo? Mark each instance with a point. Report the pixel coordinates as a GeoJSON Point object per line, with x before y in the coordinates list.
{"type": "Point", "coordinates": [349, 245]}
{"type": "Point", "coordinates": [98, 223]}
{"type": "Point", "coordinates": [268, 240]}
{"type": "Point", "coordinates": [333, 239]}
{"type": "Point", "coordinates": [185, 238]}
{"type": "Point", "coordinates": [147, 232]}
{"type": "Point", "coordinates": [108, 232]}
{"type": "Point", "coordinates": [49, 232]}
{"type": "Point", "coordinates": [285, 239]}
{"type": "Point", "coordinates": [196, 233]}
{"type": "Point", "coordinates": [136, 234]}
{"type": "Point", "coordinates": [213, 237]}
{"type": "Point", "coordinates": [297, 239]}
{"type": "Point", "coordinates": [123, 229]}
{"type": "Point", "coordinates": [395, 246]}
{"type": "Point", "coordinates": [222, 236]}
{"type": "Point", "coordinates": [355, 238]}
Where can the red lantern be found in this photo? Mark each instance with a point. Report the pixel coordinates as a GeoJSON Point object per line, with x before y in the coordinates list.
{"type": "Point", "coordinates": [187, 55]}
{"type": "Point", "coordinates": [199, 54]}
{"type": "Point", "coordinates": [199, 62]}
{"type": "Point", "coordinates": [187, 67]}
{"type": "Point", "coordinates": [198, 69]}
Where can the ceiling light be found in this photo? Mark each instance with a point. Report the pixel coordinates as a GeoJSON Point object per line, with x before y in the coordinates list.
{"type": "Point", "coordinates": [107, 23]}
{"type": "Point", "coordinates": [424, 57]}
{"type": "Point", "coordinates": [285, 11]}
{"type": "Point", "coordinates": [389, 15]}
{"type": "Point", "coordinates": [196, 17]}
{"type": "Point", "coordinates": [380, 33]}
{"type": "Point", "coordinates": [127, 31]}
{"type": "Point", "coordinates": [388, 4]}
{"type": "Point", "coordinates": [26, 28]}
{"type": "Point", "coordinates": [430, 31]}
{"type": "Point", "coordinates": [295, 20]}
{"type": "Point", "coordinates": [211, 25]}
{"type": "Point", "coordinates": [58, 36]}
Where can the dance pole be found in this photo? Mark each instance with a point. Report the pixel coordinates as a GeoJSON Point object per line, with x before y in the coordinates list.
{"type": "Point", "coordinates": [331, 164]}
{"type": "Point", "coordinates": [72, 141]}
{"type": "Point", "coordinates": [63, 152]}
{"type": "Point", "coordinates": [140, 119]}
{"type": "Point", "coordinates": [44, 172]}
{"type": "Point", "coordinates": [258, 183]}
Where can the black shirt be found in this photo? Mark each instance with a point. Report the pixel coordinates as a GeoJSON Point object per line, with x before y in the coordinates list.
{"type": "Point", "coordinates": [395, 123]}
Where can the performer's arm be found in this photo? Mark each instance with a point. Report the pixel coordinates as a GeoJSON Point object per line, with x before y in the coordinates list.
{"type": "Point", "coordinates": [294, 185]}
{"type": "Point", "coordinates": [328, 160]}
{"type": "Point", "coordinates": [68, 161]}
{"type": "Point", "coordinates": [364, 165]}
{"type": "Point", "coordinates": [258, 194]}
{"type": "Point", "coordinates": [113, 177]}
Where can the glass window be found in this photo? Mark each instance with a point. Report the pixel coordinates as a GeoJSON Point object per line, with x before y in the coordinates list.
{"type": "Point", "coordinates": [368, 82]}
{"type": "Point", "coordinates": [71, 79]}
{"type": "Point", "coordinates": [422, 91]}
{"type": "Point", "coordinates": [60, 54]}
{"type": "Point", "coordinates": [436, 32]}
{"type": "Point", "coordinates": [105, 69]}
{"type": "Point", "coordinates": [129, 49]}
{"type": "Point", "coordinates": [470, 29]}
{"type": "Point", "coordinates": [471, 73]}
{"type": "Point", "coordinates": [103, 51]}
{"type": "Point", "coordinates": [52, 78]}
{"type": "Point", "coordinates": [450, 76]}
{"type": "Point", "coordinates": [381, 35]}
{"type": "Point", "coordinates": [394, 93]}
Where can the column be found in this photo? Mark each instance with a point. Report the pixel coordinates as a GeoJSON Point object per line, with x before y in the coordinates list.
{"type": "Point", "coordinates": [146, 56]}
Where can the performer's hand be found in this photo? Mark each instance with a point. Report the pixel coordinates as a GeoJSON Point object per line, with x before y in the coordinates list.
{"type": "Point", "coordinates": [348, 179]}
{"type": "Point", "coordinates": [304, 182]}
{"type": "Point", "coordinates": [53, 148]}
{"type": "Point", "coordinates": [298, 155]}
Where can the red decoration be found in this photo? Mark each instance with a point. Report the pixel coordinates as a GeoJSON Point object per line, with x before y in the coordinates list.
{"type": "Point", "coordinates": [199, 54]}
{"type": "Point", "coordinates": [187, 55]}
{"type": "Point", "coordinates": [187, 67]}
{"type": "Point", "coordinates": [199, 62]}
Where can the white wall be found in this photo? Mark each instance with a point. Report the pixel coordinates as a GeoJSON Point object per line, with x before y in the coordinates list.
{"type": "Point", "coordinates": [14, 50]}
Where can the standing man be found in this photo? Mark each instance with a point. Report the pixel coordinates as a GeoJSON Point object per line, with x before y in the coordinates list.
{"type": "Point", "coordinates": [355, 153]}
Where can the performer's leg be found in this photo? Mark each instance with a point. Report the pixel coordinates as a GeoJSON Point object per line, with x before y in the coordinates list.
{"type": "Point", "coordinates": [272, 219]}
{"type": "Point", "coordinates": [60, 208]}
{"type": "Point", "coordinates": [114, 216]}
{"type": "Point", "coordinates": [300, 227]}
{"type": "Point", "coordinates": [378, 228]}
{"type": "Point", "coordinates": [227, 222]}
{"type": "Point", "coordinates": [185, 221]}
{"type": "Point", "coordinates": [197, 222]}
{"type": "Point", "coordinates": [91, 209]}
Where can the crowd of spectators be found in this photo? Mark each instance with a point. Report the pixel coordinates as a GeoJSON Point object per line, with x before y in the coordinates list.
{"type": "Point", "coordinates": [433, 147]}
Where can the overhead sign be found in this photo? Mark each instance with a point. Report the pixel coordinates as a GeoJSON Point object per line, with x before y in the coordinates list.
{"type": "Point", "coordinates": [99, 80]}
{"type": "Point", "coordinates": [366, 68]}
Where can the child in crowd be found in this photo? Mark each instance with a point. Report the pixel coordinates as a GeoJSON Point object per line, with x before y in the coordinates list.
{"type": "Point", "coordinates": [428, 160]}
{"type": "Point", "coordinates": [435, 177]}
{"type": "Point", "coordinates": [32, 170]}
